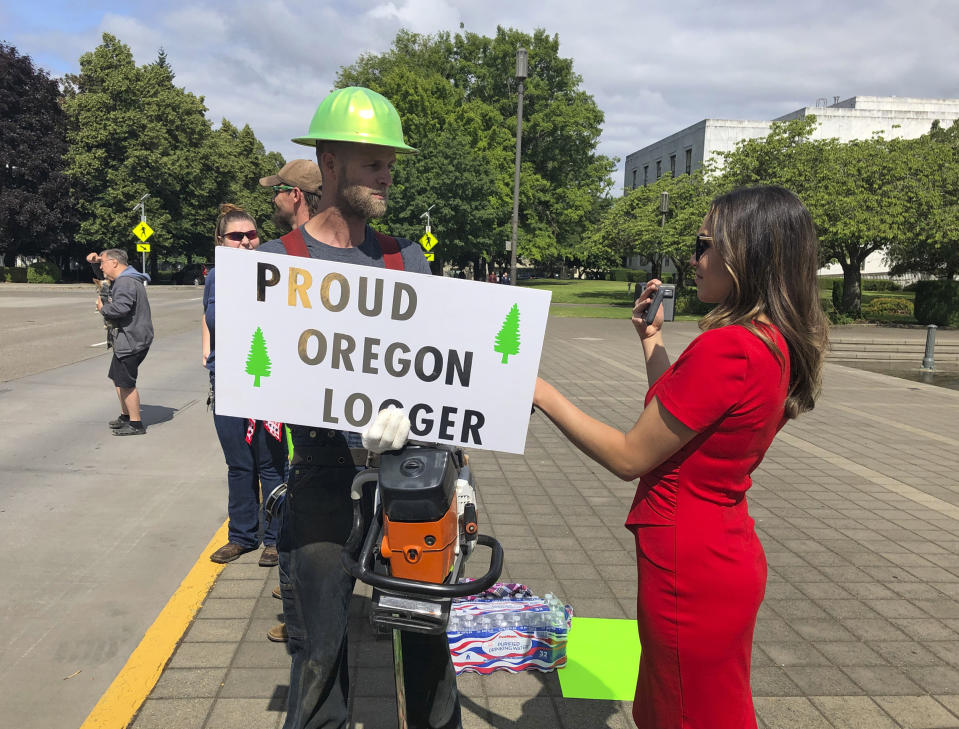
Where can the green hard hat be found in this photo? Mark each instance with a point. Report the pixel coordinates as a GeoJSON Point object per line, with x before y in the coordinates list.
{"type": "Point", "coordinates": [356, 114]}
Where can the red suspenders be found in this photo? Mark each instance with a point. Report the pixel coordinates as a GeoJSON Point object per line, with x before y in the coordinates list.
{"type": "Point", "coordinates": [392, 258]}
{"type": "Point", "coordinates": [295, 245]}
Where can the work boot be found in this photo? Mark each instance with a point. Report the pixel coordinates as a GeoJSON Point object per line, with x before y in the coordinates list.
{"type": "Point", "coordinates": [276, 593]}
{"type": "Point", "coordinates": [278, 633]}
{"type": "Point", "coordinates": [118, 422]}
{"type": "Point", "coordinates": [269, 558]}
{"type": "Point", "coordinates": [131, 428]}
{"type": "Point", "coordinates": [229, 552]}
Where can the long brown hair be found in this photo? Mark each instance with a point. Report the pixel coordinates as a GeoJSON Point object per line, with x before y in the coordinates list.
{"type": "Point", "coordinates": [228, 213]}
{"type": "Point", "coordinates": [768, 244]}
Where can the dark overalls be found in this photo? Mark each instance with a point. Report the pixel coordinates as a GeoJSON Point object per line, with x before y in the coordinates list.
{"type": "Point", "coordinates": [319, 516]}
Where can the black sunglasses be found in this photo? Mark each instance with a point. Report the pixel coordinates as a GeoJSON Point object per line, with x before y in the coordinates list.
{"type": "Point", "coordinates": [702, 244]}
{"type": "Point", "coordinates": [239, 235]}
{"type": "Point", "coordinates": [277, 189]}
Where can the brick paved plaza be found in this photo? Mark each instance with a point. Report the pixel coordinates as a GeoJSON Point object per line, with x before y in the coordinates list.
{"type": "Point", "coordinates": [857, 505]}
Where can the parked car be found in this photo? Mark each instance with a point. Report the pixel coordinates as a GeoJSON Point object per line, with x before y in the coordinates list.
{"type": "Point", "coordinates": [192, 273]}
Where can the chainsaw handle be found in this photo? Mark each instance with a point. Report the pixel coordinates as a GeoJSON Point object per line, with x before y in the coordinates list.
{"type": "Point", "coordinates": [359, 569]}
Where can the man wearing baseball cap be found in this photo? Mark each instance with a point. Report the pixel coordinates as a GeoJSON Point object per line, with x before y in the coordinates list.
{"type": "Point", "coordinates": [296, 199]}
{"type": "Point", "coordinates": [296, 192]}
{"type": "Point", "coordinates": [357, 135]}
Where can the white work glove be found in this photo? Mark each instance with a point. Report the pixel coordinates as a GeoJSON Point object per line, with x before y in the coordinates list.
{"type": "Point", "coordinates": [388, 431]}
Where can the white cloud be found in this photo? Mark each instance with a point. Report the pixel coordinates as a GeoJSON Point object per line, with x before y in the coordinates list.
{"type": "Point", "coordinates": [419, 16]}
{"type": "Point", "coordinates": [652, 67]}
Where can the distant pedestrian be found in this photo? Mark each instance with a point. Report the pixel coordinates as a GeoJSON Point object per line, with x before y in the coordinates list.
{"type": "Point", "coordinates": [127, 310]}
{"type": "Point", "coordinates": [708, 421]}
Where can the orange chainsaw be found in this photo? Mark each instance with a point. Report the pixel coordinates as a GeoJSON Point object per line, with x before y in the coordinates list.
{"type": "Point", "coordinates": [423, 529]}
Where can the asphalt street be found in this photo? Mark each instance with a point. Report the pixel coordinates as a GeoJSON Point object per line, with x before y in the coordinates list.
{"type": "Point", "coordinates": [98, 531]}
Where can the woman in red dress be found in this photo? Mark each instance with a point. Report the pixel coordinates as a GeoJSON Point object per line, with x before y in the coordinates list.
{"type": "Point", "coordinates": [708, 421]}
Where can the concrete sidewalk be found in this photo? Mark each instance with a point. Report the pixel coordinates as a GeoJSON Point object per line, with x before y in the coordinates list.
{"type": "Point", "coordinates": [857, 505]}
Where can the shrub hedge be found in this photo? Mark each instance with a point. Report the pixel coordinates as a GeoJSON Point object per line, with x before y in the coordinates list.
{"type": "Point", "coordinates": [627, 274]}
{"type": "Point", "coordinates": [937, 302]}
{"type": "Point", "coordinates": [688, 303]}
{"type": "Point", "coordinates": [14, 275]}
{"type": "Point", "coordinates": [887, 305]}
{"type": "Point", "coordinates": [43, 272]}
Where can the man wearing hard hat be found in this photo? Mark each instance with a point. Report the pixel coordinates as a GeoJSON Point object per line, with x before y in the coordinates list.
{"type": "Point", "coordinates": [357, 135]}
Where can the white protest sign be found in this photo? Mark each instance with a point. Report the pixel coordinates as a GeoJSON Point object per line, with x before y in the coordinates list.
{"type": "Point", "coordinates": [313, 342]}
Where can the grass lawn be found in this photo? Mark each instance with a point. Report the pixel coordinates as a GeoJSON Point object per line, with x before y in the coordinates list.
{"type": "Point", "coordinates": [575, 299]}
{"type": "Point", "coordinates": [608, 299]}
{"type": "Point", "coordinates": [599, 293]}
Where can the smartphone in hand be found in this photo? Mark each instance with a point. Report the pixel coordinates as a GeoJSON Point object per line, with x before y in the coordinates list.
{"type": "Point", "coordinates": [650, 314]}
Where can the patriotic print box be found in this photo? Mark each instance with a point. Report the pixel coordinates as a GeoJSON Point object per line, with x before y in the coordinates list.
{"type": "Point", "coordinates": [510, 635]}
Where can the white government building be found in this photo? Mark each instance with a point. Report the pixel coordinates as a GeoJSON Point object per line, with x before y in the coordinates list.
{"type": "Point", "coordinates": [858, 117]}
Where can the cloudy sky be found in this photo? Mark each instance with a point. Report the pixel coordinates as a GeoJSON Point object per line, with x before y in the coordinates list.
{"type": "Point", "coordinates": [653, 67]}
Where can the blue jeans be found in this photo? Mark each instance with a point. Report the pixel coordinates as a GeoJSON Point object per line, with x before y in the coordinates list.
{"type": "Point", "coordinates": [254, 470]}
{"type": "Point", "coordinates": [319, 516]}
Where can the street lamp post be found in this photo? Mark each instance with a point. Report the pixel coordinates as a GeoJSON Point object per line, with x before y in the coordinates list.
{"type": "Point", "coordinates": [427, 216]}
{"type": "Point", "coordinates": [663, 208]}
{"type": "Point", "coordinates": [143, 219]}
{"type": "Point", "coordinates": [522, 59]}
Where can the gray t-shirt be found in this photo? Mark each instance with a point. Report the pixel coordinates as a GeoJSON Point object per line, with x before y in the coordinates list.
{"type": "Point", "coordinates": [366, 254]}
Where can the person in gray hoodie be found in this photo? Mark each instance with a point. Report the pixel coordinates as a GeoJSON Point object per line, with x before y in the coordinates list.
{"type": "Point", "coordinates": [128, 310]}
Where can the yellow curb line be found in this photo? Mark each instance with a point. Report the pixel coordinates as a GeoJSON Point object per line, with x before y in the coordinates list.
{"type": "Point", "coordinates": [117, 707]}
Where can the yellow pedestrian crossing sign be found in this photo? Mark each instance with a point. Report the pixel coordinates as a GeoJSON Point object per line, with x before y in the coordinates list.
{"type": "Point", "coordinates": [143, 231]}
{"type": "Point", "coordinates": [428, 241]}
{"type": "Point", "coordinates": [143, 247]}
{"type": "Point", "coordinates": [429, 256]}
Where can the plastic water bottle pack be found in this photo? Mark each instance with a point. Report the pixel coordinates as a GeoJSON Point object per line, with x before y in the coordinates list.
{"type": "Point", "coordinates": [514, 634]}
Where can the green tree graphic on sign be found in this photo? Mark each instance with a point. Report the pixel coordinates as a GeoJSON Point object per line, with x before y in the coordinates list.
{"type": "Point", "coordinates": [258, 361]}
{"type": "Point", "coordinates": [507, 341]}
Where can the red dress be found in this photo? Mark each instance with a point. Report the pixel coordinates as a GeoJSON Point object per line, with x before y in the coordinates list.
{"type": "Point", "coordinates": [702, 570]}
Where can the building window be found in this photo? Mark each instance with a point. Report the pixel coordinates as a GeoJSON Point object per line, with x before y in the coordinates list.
{"type": "Point", "coordinates": [672, 165]}
{"type": "Point", "coordinates": [634, 179]}
{"type": "Point", "coordinates": [659, 168]}
{"type": "Point", "coordinates": [689, 161]}
{"type": "Point", "coordinates": [645, 175]}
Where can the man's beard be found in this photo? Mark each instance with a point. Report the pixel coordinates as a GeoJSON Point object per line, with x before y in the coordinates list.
{"type": "Point", "coordinates": [359, 200]}
{"type": "Point", "coordinates": [282, 220]}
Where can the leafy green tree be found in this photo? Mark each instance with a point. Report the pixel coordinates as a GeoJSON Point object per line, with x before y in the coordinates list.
{"type": "Point", "coordinates": [932, 188]}
{"type": "Point", "coordinates": [689, 199]}
{"type": "Point", "coordinates": [458, 94]}
{"type": "Point", "coordinates": [133, 132]}
{"type": "Point", "coordinates": [857, 192]}
{"type": "Point", "coordinates": [635, 223]}
{"type": "Point", "coordinates": [450, 176]}
{"type": "Point", "coordinates": [36, 214]}
{"type": "Point", "coordinates": [103, 104]}
{"type": "Point", "coordinates": [621, 231]}
{"type": "Point", "coordinates": [234, 161]}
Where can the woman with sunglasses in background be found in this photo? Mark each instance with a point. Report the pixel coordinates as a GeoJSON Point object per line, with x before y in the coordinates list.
{"type": "Point", "coordinates": [708, 420]}
{"type": "Point", "coordinates": [254, 449]}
